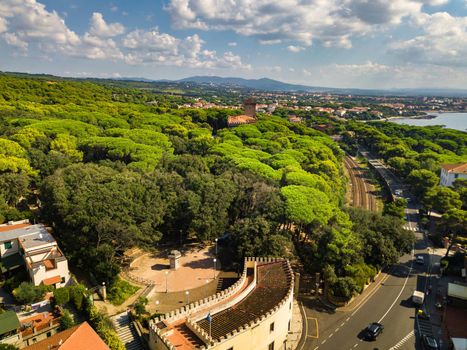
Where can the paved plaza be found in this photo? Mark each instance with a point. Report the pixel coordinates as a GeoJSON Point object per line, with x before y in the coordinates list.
{"type": "Point", "coordinates": [197, 268]}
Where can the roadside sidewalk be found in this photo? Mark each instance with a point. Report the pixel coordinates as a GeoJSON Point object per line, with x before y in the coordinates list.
{"type": "Point", "coordinates": [296, 328]}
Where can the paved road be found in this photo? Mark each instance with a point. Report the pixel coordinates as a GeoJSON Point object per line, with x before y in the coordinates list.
{"type": "Point", "coordinates": [389, 303]}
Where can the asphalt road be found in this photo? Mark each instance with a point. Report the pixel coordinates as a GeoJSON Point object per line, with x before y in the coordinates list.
{"type": "Point", "coordinates": [389, 304]}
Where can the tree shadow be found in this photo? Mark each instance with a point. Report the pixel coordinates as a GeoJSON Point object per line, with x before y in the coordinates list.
{"type": "Point", "coordinates": [206, 263]}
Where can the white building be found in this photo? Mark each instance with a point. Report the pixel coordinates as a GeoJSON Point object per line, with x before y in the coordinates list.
{"type": "Point", "coordinates": [34, 247]}
{"type": "Point", "coordinates": [254, 313]}
{"type": "Point", "coordinates": [452, 172]}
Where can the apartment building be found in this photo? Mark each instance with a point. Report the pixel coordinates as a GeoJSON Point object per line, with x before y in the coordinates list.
{"type": "Point", "coordinates": [32, 246]}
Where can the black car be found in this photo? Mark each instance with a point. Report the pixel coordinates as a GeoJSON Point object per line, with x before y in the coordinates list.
{"type": "Point", "coordinates": [429, 342]}
{"type": "Point", "coordinates": [373, 330]}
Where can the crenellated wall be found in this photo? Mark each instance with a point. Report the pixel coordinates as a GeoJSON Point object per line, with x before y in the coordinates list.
{"type": "Point", "coordinates": [246, 336]}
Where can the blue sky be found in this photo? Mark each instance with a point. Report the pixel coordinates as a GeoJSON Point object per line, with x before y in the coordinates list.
{"type": "Point", "coordinates": [338, 43]}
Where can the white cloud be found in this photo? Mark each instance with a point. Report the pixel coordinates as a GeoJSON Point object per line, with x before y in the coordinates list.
{"type": "Point", "coordinates": [443, 42]}
{"type": "Point", "coordinates": [13, 40]}
{"type": "Point", "coordinates": [332, 22]}
{"type": "Point", "coordinates": [295, 49]}
{"type": "Point", "coordinates": [148, 47]}
{"type": "Point", "coordinates": [27, 23]}
{"type": "Point", "coordinates": [100, 28]}
{"type": "Point", "coordinates": [232, 44]}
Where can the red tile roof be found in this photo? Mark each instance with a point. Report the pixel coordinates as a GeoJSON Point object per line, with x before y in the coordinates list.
{"type": "Point", "coordinates": [456, 168]}
{"type": "Point", "coordinates": [51, 280]}
{"type": "Point", "coordinates": [240, 119]}
{"type": "Point", "coordinates": [81, 337]}
{"type": "Point", "coordinates": [13, 227]}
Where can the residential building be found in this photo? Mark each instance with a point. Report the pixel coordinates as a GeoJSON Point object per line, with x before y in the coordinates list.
{"type": "Point", "coordinates": [9, 324]}
{"type": "Point", "coordinates": [452, 172]}
{"type": "Point", "coordinates": [75, 338]}
{"type": "Point", "coordinates": [39, 326]}
{"type": "Point", "coordinates": [32, 246]}
{"type": "Point", "coordinates": [254, 313]}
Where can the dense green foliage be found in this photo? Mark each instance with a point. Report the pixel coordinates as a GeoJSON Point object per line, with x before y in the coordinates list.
{"type": "Point", "coordinates": [416, 155]}
{"type": "Point", "coordinates": [118, 168]}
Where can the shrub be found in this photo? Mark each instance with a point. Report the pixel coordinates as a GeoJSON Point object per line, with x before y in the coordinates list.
{"type": "Point", "coordinates": [27, 293]}
{"type": "Point", "coordinates": [121, 291]}
{"type": "Point", "coordinates": [66, 321]}
{"type": "Point", "coordinates": [61, 296]}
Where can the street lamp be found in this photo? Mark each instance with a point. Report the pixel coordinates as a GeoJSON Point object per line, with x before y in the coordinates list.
{"type": "Point", "coordinates": [187, 293]}
{"type": "Point", "coordinates": [157, 305]}
{"type": "Point", "coordinates": [166, 283]}
{"type": "Point", "coordinates": [216, 247]}
{"type": "Point", "coordinates": [215, 268]}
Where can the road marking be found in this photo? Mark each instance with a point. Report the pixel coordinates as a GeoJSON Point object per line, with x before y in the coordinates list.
{"type": "Point", "coordinates": [402, 289]}
{"type": "Point", "coordinates": [330, 335]}
{"type": "Point", "coordinates": [317, 330]}
{"type": "Point", "coordinates": [336, 329]}
{"type": "Point", "coordinates": [355, 345]}
{"type": "Point", "coordinates": [347, 319]}
{"type": "Point", "coordinates": [403, 341]}
{"type": "Point", "coordinates": [324, 341]}
{"type": "Point", "coordinates": [306, 325]}
{"type": "Point", "coordinates": [343, 323]}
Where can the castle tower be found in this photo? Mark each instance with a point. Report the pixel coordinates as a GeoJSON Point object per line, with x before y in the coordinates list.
{"type": "Point", "coordinates": [250, 107]}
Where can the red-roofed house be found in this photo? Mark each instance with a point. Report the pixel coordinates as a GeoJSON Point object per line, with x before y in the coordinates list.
{"type": "Point", "coordinates": [81, 337]}
{"type": "Point", "coordinates": [452, 172]}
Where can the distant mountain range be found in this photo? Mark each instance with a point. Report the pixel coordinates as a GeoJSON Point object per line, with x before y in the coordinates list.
{"type": "Point", "coordinates": [258, 84]}
{"type": "Point", "coordinates": [267, 84]}
{"type": "Point", "coordinates": [275, 85]}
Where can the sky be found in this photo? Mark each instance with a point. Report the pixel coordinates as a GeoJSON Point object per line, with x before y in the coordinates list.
{"type": "Point", "coordinates": [336, 43]}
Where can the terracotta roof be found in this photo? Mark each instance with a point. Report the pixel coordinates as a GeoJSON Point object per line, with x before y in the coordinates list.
{"type": "Point", "coordinates": [80, 337]}
{"type": "Point", "coordinates": [51, 280]}
{"type": "Point", "coordinates": [13, 227]}
{"type": "Point", "coordinates": [240, 119]}
{"type": "Point", "coordinates": [456, 168]}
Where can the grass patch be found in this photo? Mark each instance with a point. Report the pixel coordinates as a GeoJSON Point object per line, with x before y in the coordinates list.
{"type": "Point", "coordinates": [121, 291]}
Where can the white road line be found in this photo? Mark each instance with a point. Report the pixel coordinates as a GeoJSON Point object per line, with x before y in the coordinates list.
{"type": "Point", "coordinates": [347, 319]}
{"type": "Point", "coordinates": [324, 341]}
{"type": "Point", "coordinates": [343, 323]}
{"type": "Point", "coordinates": [306, 325]}
{"type": "Point", "coordinates": [330, 335]}
{"type": "Point", "coordinates": [403, 341]}
{"type": "Point", "coordinates": [402, 289]}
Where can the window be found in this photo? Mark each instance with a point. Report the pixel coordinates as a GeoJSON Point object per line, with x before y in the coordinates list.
{"type": "Point", "coordinates": [49, 334]}
{"type": "Point", "coordinates": [289, 327]}
{"type": "Point", "coordinates": [271, 346]}
{"type": "Point", "coordinates": [231, 348]}
{"type": "Point", "coordinates": [8, 245]}
{"type": "Point", "coordinates": [290, 305]}
{"type": "Point", "coordinates": [271, 327]}
{"type": "Point", "coordinates": [63, 280]}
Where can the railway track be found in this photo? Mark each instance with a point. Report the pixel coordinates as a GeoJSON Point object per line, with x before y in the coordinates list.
{"type": "Point", "coordinates": [361, 195]}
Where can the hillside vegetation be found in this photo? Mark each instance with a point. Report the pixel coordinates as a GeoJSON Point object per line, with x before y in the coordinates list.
{"type": "Point", "coordinates": [112, 168]}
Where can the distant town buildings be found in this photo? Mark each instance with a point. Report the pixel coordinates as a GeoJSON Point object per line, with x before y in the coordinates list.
{"type": "Point", "coordinates": [452, 172]}
{"type": "Point", "coordinates": [32, 246]}
{"type": "Point", "coordinates": [254, 313]}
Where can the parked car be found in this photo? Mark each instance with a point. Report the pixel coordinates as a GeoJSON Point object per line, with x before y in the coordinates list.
{"type": "Point", "coordinates": [429, 342]}
{"type": "Point", "coordinates": [373, 330]}
{"type": "Point", "coordinates": [420, 260]}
